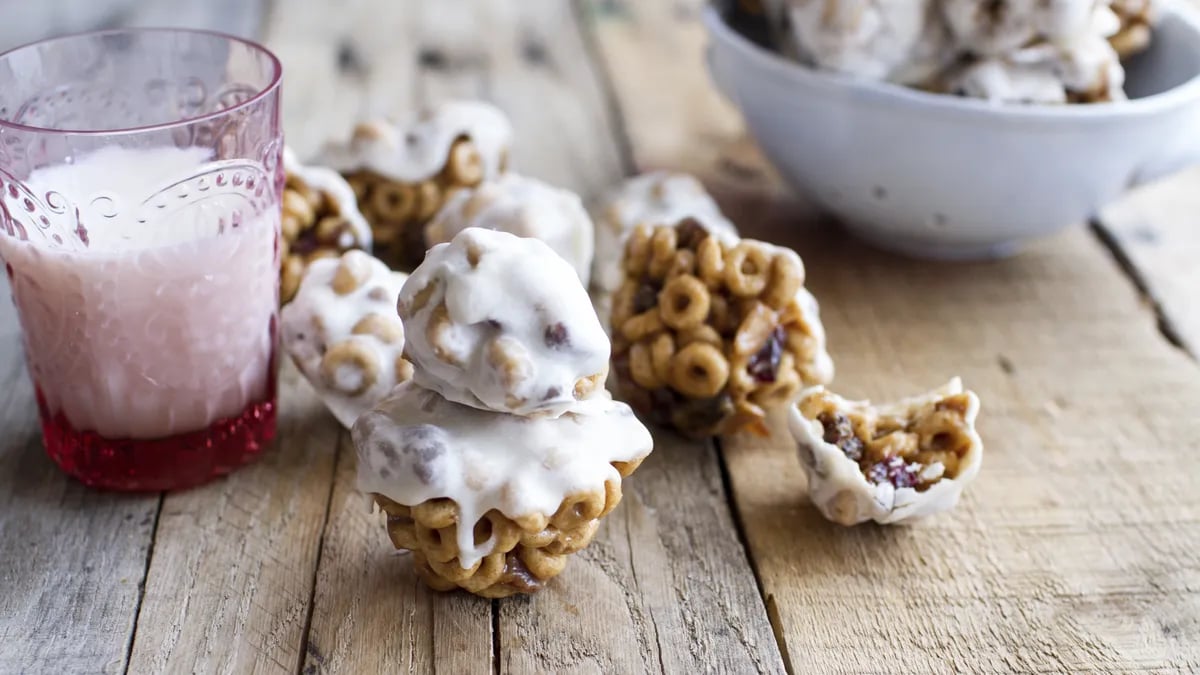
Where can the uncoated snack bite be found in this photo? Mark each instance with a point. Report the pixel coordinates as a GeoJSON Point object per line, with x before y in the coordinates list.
{"type": "Point", "coordinates": [403, 173]}
{"type": "Point", "coordinates": [709, 334]}
{"type": "Point", "coordinates": [320, 220]}
{"type": "Point", "coordinates": [887, 463]}
{"type": "Point", "coordinates": [502, 323]}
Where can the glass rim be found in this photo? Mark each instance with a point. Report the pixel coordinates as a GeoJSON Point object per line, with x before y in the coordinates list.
{"type": "Point", "coordinates": [276, 79]}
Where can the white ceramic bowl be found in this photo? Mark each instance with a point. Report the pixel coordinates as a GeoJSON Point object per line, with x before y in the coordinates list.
{"type": "Point", "coordinates": [940, 176]}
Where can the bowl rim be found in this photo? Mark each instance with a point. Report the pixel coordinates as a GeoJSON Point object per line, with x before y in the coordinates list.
{"type": "Point", "coordinates": [1177, 96]}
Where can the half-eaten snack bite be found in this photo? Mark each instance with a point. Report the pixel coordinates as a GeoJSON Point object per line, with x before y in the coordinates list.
{"type": "Point", "coordinates": [709, 333]}
{"type": "Point", "coordinates": [403, 173]}
{"type": "Point", "coordinates": [320, 220]}
{"type": "Point", "coordinates": [500, 322]}
{"type": "Point", "coordinates": [490, 502]}
{"type": "Point", "coordinates": [523, 206]}
{"type": "Point", "coordinates": [342, 332]}
{"type": "Point", "coordinates": [888, 463]}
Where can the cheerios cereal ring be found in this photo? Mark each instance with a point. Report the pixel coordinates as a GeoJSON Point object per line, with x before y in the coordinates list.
{"type": "Point", "coordinates": [662, 348]}
{"type": "Point", "coordinates": [787, 276]}
{"type": "Point", "coordinates": [464, 166]}
{"type": "Point", "coordinates": [684, 302]}
{"type": "Point", "coordinates": [641, 325]}
{"type": "Point", "coordinates": [641, 367]}
{"type": "Point", "coordinates": [684, 263]}
{"type": "Point", "coordinates": [637, 251]}
{"type": "Point", "coordinates": [710, 262]}
{"type": "Point", "coordinates": [363, 369]}
{"type": "Point", "coordinates": [747, 269]}
{"type": "Point", "coordinates": [393, 201]}
{"type": "Point", "coordinates": [701, 333]}
{"type": "Point", "coordinates": [699, 370]}
{"type": "Point", "coordinates": [662, 252]}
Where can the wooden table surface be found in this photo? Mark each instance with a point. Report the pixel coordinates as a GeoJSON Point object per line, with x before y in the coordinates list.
{"type": "Point", "coordinates": [1077, 549]}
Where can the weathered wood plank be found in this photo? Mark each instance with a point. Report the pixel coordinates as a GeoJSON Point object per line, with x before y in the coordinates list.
{"type": "Point", "coordinates": [1156, 230]}
{"type": "Point", "coordinates": [372, 615]}
{"type": "Point", "coordinates": [232, 570]}
{"type": "Point", "coordinates": [666, 580]}
{"type": "Point", "coordinates": [1077, 547]}
{"type": "Point", "coordinates": [38, 20]}
{"type": "Point", "coordinates": [72, 560]}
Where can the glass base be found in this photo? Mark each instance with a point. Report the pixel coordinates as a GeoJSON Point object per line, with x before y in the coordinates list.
{"type": "Point", "coordinates": [152, 465]}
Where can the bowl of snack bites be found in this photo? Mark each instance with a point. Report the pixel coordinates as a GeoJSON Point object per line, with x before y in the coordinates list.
{"type": "Point", "coordinates": [963, 128]}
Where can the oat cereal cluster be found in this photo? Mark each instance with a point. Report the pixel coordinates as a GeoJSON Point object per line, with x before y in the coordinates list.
{"type": "Point", "coordinates": [320, 220]}
{"type": "Point", "coordinates": [887, 463]}
{"type": "Point", "coordinates": [503, 453]}
{"type": "Point", "coordinates": [1019, 51]}
{"type": "Point", "coordinates": [711, 332]}
{"type": "Point", "coordinates": [342, 332]}
{"type": "Point", "coordinates": [403, 173]}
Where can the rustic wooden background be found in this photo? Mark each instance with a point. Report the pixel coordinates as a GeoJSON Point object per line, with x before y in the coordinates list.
{"type": "Point", "coordinates": [1077, 549]}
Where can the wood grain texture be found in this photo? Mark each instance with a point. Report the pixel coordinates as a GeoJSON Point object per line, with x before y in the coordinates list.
{"type": "Point", "coordinates": [1155, 231]}
{"type": "Point", "coordinates": [72, 560]}
{"type": "Point", "coordinates": [1077, 547]}
{"type": "Point", "coordinates": [372, 615]}
{"type": "Point", "coordinates": [26, 22]}
{"type": "Point", "coordinates": [665, 587]}
{"type": "Point", "coordinates": [232, 570]}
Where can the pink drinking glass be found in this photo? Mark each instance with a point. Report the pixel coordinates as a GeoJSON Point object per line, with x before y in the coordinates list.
{"type": "Point", "coordinates": [140, 180]}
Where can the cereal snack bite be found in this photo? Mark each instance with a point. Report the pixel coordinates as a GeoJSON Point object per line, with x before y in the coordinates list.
{"type": "Point", "coordinates": [342, 332]}
{"type": "Point", "coordinates": [709, 334]}
{"type": "Point", "coordinates": [489, 502]}
{"type": "Point", "coordinates": [498, 322]}
{"type": "Point", "coordinates": [523, 206]}
{"type": "Point", "coordinates": [320, 220]}
{"type": "Point", "coordinates": [402, 173]}
{"type": "Point", "coordinates": [1137, 19]}
{"type": "Point", "coordinates": [655, 198]}
{"type": "Point", "coordinates": [887, 463]}
{"type": "Point", "coordinates": [1085, 70]}
{"type": "Point", "coordinates": [903, 41]}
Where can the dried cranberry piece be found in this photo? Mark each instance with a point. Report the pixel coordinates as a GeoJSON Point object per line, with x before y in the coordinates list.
{"type": "Point", "coordinates": [765, 364]}
{"type": "Point", "coordinates": [306, 243]}
{"type": "Point", "coordinates": [895, 471]}
{"type": "Point", "coordinates": [556, 336]}
{"type": "Point", "coordinates": [690, 233]}
{"type": "Point", "coordinates": [840, 432]}
{"type": "Point", "coordinates": [646, 298]}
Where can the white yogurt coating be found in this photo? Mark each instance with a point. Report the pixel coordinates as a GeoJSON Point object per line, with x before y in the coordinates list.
{"type": "Point", "coordinates": [320, 317]}
{"type": "Point", "coordinates": [330, 182]}
{"type": "Point", "coordinates": [416, 149]}
{"type": "Point", "coordinates": [654, 198]}
{"type": "Point", "coordinates": [843, 494]}
{"type": "Point", "coordinates": [416, 445]}
{"type": "Point", "coordinates": [988, 29]}
{"type": "Point", "coordinates": [520, 301]}
{"type": "Point", "coordinates": [901, 41]}
{"type": "Point", "coordinates": [523, 206]}
{"type": "Point", "coordinates": [1047, 73]}
{"type": "Point", "coordinates": [157, 320]}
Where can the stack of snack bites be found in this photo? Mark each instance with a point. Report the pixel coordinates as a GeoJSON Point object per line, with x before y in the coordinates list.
{"type": "Point", "coordinates": [402, 174]}
{"type": "Point", "coordinates": [500, 457]}
{"type": "Point", "coordinates": [712, 332]}
{"type": "Point", "coordinates": [320, 220]}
